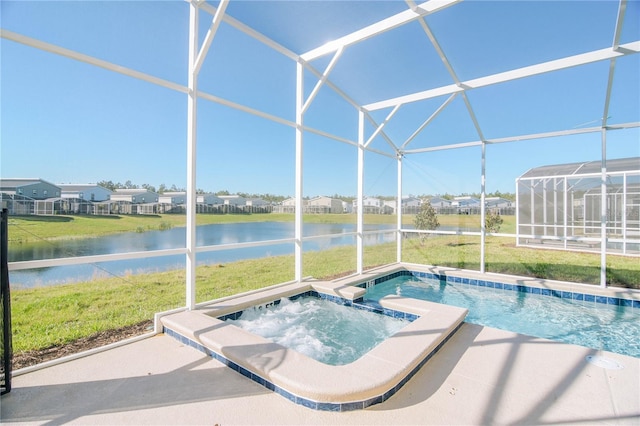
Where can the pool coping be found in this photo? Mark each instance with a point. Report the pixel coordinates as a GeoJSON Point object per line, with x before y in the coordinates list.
{"type": "Point", "coordinates": [371, 379]}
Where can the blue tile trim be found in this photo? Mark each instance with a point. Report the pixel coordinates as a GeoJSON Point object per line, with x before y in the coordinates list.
{"type": "Point", "coordinates": [586, 297]}
{"type": "Point", "coordinates": [321, 406]}
{"type": "Point", "coordinates": [367, 305]}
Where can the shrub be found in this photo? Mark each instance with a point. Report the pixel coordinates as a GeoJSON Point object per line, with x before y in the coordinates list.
{"type": "Point", "coordinates": [493, 221]}
{"type": "Point", "coordinates": [426, 219]}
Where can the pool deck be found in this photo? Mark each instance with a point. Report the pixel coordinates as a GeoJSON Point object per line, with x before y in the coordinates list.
{"type": "Point", "coordinates": [481, 376]}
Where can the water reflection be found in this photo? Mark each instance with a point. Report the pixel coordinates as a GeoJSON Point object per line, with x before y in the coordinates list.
{"type": "Point", "coordinates": [207, 235]}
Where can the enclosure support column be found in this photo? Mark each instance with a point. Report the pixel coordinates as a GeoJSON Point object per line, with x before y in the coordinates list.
{"type": "Point", "coordinates": [533, 210]}
{"type": "Point", "coordinates": [555, 207]}
{"type": "Point", "coordinates": [360, 199]}
{"type": "Point", "coordinates": [399, 212]}
{"type": "Point", "coordinates": [191, 158]}
{"type": "Point", "coordinates": [299, 156]}
{"type": "Point", "coordinates": [603, 212]}
{"type": "Point", "coordinates": [517, 186]}
{"type": "Point", "coordinates": [544, 206]}
{"type": "Point", "coordinates": [624, 213]}
{"type": "Point", "coordinates": [483, 212]}
{"type": "Point", "coordinates": [564, 216]}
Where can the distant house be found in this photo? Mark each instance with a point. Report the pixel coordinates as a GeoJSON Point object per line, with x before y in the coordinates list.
{"type": "Point", "coordinates": [289, 206]}
{"type": "Point", "coordinates": [172, 202]}
{"type": "Point", "coordinates": [497, 202]}
{"type": "Point", "coordinates": [258, 205]}
{"type": "Point", "coordinates": [26, 196]}
{"type": "Point", "coordinates": [438, 202]}
{"type": "Point", "coordinates": [173, 198]}
{"type": "Point", "coordinates": [370, 205]}
{"type": "Point", "coordinates": [256, 202]}
{"type": "Point", "coordinates": [347, 207]}
{"type": "Point", "coordinates": [233, 200]}
{"type": "Point", "coordinates": [465, 201]}
{"type": "Point", "coordinates": [209, 199]}
{"type": "Point", "coordinates": [86, 192]}
{"type": "Point", "coordinates": [33, 188]}
{"type": "Point", "coordinates": [209, 203]}
{"type": "Point", "coordinates": [134, 201]}
{"type": "Point", "coordinates": [410, 205]}
{"type": "Point", "coordinates": [388, 207]}
{"type": "Point", "coordinates": [466, 205]}
{"type": "Point", "coordinates": [134, 196]}
{"type": "Point", "coordinates": [322, 204]}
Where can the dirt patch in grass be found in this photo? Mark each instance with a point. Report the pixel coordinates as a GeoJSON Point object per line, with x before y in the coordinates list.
{"type": "Point", "coordinates": [103, 338]}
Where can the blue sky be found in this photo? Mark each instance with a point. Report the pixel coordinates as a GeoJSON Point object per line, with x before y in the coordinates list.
{"type": "Point", "coordinates": [66, 121]}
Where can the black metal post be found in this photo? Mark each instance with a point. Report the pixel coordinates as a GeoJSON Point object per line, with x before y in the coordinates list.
{"type": "Point", "coordinates": [7, 342]}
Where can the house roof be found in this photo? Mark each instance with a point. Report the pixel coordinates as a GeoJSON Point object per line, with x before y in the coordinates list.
{"type": "Point", "coordinates": [80, 186]}
{"type": "Point", "coordinates": [588, 167]}
{"type": "Point", "coordinates": [18, 182]}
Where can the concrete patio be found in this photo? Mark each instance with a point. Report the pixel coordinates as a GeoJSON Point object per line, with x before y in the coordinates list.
{"type": "Point", "coordinates": [481, 376]}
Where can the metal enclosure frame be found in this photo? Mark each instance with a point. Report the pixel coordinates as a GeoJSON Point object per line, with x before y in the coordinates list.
{"type": "Point", "coordinates": [302, 62]}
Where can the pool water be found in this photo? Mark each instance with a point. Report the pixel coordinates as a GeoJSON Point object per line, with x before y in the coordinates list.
{"type": "Point", "coordinates": [323, 330]}
{"type": "Point", "coordinates": [594, 325]}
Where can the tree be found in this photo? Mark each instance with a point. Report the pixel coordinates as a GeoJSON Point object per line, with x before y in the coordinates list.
{"type": "Point", "coordinates": [149, 187]}
{"type": "Point", "coordinates": [493, 221]}
{"type": "Point", "coordinates": [426, 219]}
{"type": "Point", "coordinates": [107, 184]}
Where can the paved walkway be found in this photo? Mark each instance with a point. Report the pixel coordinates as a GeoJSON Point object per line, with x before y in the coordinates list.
{"type": "Point", "coordinates": [481, 376]}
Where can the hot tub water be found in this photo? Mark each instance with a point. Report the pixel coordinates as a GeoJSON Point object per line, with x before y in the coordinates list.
{"type": "Point", "coordinates": [323, 330]}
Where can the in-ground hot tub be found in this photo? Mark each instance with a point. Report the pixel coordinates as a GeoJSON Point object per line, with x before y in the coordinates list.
{"type": "Point", "coordinates": [370, 379]}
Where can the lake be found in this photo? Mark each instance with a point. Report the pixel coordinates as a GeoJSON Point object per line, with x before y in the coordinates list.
{"type": "Point", "coordinates": [206, 235]}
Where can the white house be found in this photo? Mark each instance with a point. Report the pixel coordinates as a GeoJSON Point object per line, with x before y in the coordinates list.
{"type": "Point", "coordinates": [256, 202]}
{"type": "Point", "coordinates": [84, 191]}
{"type": "Point", "coordinates": [209, 199]}
{"type": "Point", "coordinates": [410, 205]}
{"type": "Point", "coordinates": [173, 198]}
{"type": "Point", "coordinates": [388, 207]}
{"type": "Point", "coordinates": [322, 204]}
{"type": "Point", "coordinates": [233, 200]}
{"type": "Point", "coordinates": [371, 205]}
{"type": "Point", "coordinates": [497, 202]}
{"type": "Point", "coordinates": [289, 206]}
{"type": "Point", "coordinates": [134, 196]}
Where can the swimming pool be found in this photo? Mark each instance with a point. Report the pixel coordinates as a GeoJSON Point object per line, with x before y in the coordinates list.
{"type": "Point", "coordinates": [587, 320]}
{"type": "Point", "coordinates": [325, 331]}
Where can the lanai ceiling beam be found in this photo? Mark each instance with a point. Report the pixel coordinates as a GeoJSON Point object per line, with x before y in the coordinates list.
{"type": "Point", "coordinates": [619, 21]}
{"type": "Point", "coordinates": [612, 65]}
{"type": "Point", "coordinates": [429, 120]}
{"type": "Point", "coordinates": [215, 24]}
{"type": "Point", "coordinates": [322, 79]}
{"type": "Point", "coordinates": [81, 57]}
{"type": "Point", "coordinates": [351, 102]}
{"type": "Point", "coordinates": [544, 135]}
{"type": "Point", "coordinates": [381, 126]}
{"type": "Point", "coordinates": [380, 27]}
{"type": "Point", "coordinates": [545, 67]}
{"type": "Point", "coordinates": [251, 32]}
